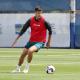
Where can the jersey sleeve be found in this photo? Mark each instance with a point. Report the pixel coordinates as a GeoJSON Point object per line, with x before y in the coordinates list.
{"type": "Point", "coordinates": [48, 27]}
{"type": "Point", "coordinates": [25, 27]}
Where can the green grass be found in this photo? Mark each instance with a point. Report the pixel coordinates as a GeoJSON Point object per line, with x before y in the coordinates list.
{"type": "Point", "coordinates": [66, 62]}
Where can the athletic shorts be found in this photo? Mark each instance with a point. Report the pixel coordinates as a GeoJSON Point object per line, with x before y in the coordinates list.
{"type": "Point", "coordinates": [37, 44]}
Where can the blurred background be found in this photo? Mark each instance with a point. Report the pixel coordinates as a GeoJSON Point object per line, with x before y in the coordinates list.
{"type": "Point", "coordinates": [63, 15]}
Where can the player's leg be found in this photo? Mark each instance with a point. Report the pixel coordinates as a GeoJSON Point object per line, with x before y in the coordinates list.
{"type": "Point", "coordinates": [21, 60]}
{"type": "Point", "coordinates": [31, 50]}
{"type": "Point", "coordinates": [30, 53]}
{"type": "Point", "coordinates": [23, 55]}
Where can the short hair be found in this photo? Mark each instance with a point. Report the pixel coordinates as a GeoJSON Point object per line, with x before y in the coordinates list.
{"type": "Point", "coordinates": [38, 9]}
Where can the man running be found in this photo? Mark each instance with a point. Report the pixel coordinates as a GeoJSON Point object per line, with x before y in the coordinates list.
{"type": "Point", "coordinates": [39, 28]}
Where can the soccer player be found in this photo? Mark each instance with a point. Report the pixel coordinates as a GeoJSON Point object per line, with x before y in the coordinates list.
{"type": "Point", "coordinates": [38, 27]}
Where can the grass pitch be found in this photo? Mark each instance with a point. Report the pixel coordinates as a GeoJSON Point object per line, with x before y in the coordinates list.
{"type": "Point", "coordinates": [66, 62]}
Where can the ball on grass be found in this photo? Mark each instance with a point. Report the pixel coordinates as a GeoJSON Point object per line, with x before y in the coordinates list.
{"type": "Point", "coordinates": [50, 69]}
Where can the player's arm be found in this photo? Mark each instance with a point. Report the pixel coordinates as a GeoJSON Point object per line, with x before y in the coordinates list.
{"type": "Point", "coordinates": [49, 34]}
{"type": "Point", "coordinates": [23, 30]}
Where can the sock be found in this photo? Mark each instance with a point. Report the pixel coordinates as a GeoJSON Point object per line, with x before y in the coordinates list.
{"type": "Point", "coordinates": [18, 67]}
{"type": "Point", "coordinates": [27, 66]}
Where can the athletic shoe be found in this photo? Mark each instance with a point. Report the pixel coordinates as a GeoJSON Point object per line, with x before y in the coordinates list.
{"type": "Point", "coordinates": [25, 70]}
{"type": "Point", "coordinates": [16, 71]}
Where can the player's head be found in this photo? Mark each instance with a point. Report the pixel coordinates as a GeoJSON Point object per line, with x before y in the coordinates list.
{"type": "Point", "coordinates": [38, 11]}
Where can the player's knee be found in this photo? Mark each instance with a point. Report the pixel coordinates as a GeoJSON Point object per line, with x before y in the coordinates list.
{"type": "Point", "coordinates": [30, 51]}
{"type": "Point", "coordinates": [25, 51]}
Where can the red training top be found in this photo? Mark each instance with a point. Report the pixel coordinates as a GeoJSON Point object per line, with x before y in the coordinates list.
{"type": "Point", "coordinates": [38, 30]}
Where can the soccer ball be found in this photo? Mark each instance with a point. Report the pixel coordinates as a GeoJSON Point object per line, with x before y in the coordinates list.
{"type": "Point", "coordinates": [50, 69]}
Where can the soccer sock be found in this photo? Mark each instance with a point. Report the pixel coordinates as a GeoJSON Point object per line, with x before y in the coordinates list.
{"type": "Point", "coordinates": [18, 67]}
{"type": "Point", "coordinates": [27, 66]}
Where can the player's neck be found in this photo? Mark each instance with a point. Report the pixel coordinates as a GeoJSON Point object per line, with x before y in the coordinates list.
{"type": "Point", "coordinates": [37, 17]}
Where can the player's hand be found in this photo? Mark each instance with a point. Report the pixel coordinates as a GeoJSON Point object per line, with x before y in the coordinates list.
{"type": "Point", "coordinates": [15, 41]}
{"type": "Point", "coordinates": [48, 45]}
{"type": "Point", "coordinates": [13, 44]}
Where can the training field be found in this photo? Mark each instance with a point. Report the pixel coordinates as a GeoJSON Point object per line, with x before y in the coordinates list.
{"type": "Point", "coordinates": [66, 61]}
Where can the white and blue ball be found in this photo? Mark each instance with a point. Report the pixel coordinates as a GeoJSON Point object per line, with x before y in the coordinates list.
{"type": "Point", "coordinates": [50, 69]}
